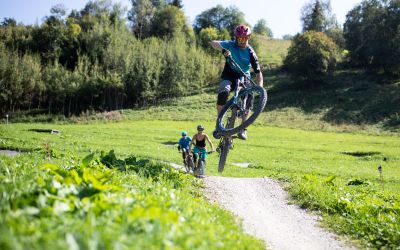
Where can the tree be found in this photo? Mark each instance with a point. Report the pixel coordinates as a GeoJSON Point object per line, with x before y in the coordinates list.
{"type": "Point", "coordinates": [177, 3]}
{"type": "Point", "coordinates": [168, 21]}
{"type": "Point", "coordinates": [58, 10]}
{"type": "Point", "coordinates": [336, 34]}
{"type": "Point", "coordinates": [371, 31]}
{"type": "Point", "coordinates": [317, 18]}
{"type": "Point", "coordinates": [317, 15]}
{"type": "Point", "coordinates": [205, 36]}
{"type": "Point", "coordinates": [261, 28]}
{"type": "Point", "coordinates": [311, 56]}
{"type": "Point", "coordinates": [141, 15]}
{"type": "Point", "coordinates": [16, 37]}
{"type": "Point", "coordinates": [208, 34]}
{"type": "Point", "coordinates": [8, 22]}
{"type": "Point", "coordinates": [219, 18]}
{"type": "Point", "coordinates": [392, 64]}
{"type": "Point", "coordinates": [287, 37]}
{"type": "Point", "coordinates": [49, 38]}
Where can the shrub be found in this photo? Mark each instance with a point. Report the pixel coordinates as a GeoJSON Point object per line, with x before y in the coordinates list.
{"type": "Point", "coordinates": [312, 56]}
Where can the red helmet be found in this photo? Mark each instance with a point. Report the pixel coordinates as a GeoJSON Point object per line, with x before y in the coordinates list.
{"type": "Point", "coordinates": [242, 31]}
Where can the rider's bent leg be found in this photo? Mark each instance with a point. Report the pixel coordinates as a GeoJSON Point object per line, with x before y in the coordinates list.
{"type": "Point", "coordinates": [203, 160]}
{"type": "Point", "coordinates": [195, 158]}
{"type": "Point", "coordinates": [184, 150]}
{"type": "Point", "coordinates": [225, 87]}
{"type": "Point", "coordinates": [222, 99]}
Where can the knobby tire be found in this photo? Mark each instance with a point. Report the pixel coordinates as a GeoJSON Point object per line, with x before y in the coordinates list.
{"type": "Point", "coordinates": [226, 142]}
{"type": "Point", "coordinates": [226, 131]}
{"type": "Point", "coordinates": [224, 154]}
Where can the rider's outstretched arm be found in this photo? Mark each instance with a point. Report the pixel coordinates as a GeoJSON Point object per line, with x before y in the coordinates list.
{"type": "Point", "coordinates": [260, 79]}
{"type": "Point", "coordinates": [216, 45]}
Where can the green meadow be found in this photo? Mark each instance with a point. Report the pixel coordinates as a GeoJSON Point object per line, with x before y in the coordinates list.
{"type": "Point", "coordinates": [335, 173]}
{"type": "Point", "coordinates": [106, 182]}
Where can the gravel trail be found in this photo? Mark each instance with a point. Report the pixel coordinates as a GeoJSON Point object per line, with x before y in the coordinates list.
{"type": "Point", "coordinates": [263, 206]}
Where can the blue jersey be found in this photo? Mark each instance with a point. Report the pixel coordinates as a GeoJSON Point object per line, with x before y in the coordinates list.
{"type": "Point", "coordinates": [185, 142]}
{"type": "Point", "coordinates": [246, 58]}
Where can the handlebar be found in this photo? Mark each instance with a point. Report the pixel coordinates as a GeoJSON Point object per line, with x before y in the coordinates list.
{"type": "Point", "coordinates": [208, 152]}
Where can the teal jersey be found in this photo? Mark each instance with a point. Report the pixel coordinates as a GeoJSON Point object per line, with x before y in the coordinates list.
{"type": "Point", "coordinates": [245, 58]}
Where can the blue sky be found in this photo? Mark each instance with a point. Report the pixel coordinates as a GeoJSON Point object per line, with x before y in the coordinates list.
{"type": "Point", "coordinates": [282, 16]}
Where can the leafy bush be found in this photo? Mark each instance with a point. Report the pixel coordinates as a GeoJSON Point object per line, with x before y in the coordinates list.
{"type": "Point", "coordinates": [312, 56]}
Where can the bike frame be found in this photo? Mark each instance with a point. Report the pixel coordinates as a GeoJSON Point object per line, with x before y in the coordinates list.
{"type": "Point", "coordinates": [239, 69]}
{"type": "Point", "coordinates": [188, 165]}
{"type": "Point", "coordinates": [238, 89]}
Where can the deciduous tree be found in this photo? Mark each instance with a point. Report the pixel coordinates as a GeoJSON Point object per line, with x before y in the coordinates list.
{"type": "Point", "coordinates": [262, 28]}
{"type": "Point", "coordinates": [317, 15]}
{"type": "Point", "coordinates": [219, 18]}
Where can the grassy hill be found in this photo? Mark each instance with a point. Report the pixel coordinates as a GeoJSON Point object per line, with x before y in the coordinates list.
{"type": "Point", "coordinates": [271, 52]}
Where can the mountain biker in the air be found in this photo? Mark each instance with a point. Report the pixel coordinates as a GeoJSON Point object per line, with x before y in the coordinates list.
{"type": "Point", "coordinates": [244, 55]}
{"type": "Point", "coordinates": [184, 144]}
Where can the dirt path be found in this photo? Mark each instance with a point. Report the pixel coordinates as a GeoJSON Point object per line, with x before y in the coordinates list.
{"type": "Point", "coordinates": [263, 206]}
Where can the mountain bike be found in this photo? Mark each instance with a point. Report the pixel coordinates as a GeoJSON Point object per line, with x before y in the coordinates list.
{"type": "Point", "coordinates": [248, 98]}
{"type": "Point", "coordinates": [201, 165]}
{"type": "Point", "coordinates": [188, 162]}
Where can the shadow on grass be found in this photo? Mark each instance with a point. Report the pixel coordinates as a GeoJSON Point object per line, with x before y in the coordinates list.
{"type": "Point", "coordinates": [361, 154]}
{"type": "Point", "coordinates": [18, 150]}
{"type": "Point", "coordinates": [352, 97]}
{"type": "Point", "coordinates": [169, 143]}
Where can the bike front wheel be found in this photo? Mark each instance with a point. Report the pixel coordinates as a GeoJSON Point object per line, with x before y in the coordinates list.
{"type": "Point", "coordinates": [189, 164]}
{"type": "Point", "coordinates": [201, 167]}
{"type": "Point", "coordinates": [259, 100]}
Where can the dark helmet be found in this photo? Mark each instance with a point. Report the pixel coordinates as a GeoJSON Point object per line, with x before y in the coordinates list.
{"type": "Point", "coordinates": [242, 31]}
{"type": "Point", "coordinates": [184, 133]}
{"type": "Point", "coordinates": [200, 127]}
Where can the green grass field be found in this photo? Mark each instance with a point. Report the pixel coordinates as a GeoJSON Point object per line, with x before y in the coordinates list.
{"type": "Point", "coordinates": [271, 52]}
{"type": "Point", "coordinates": [336, 173]}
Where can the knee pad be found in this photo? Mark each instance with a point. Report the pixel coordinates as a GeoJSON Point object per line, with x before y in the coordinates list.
{"type": "Point", "coordinates": [222, 98]}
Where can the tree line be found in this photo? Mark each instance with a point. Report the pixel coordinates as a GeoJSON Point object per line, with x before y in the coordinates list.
{"type": "Point", "coordinates": [102, 59]}
{"type": "Point", "coordinates": [369, 40]}
{"type": "Point", "coordinates": [90, 59]}
{"type": "Point", "coordinates": [96, 59]}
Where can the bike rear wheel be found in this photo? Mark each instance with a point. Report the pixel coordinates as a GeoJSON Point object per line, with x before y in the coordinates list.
{"type": "Point", "coordinates": [259, 96]}
{"type": "Point", "coordinates": [187, 168]}
{"type": "Point", "coordinates": [226, 144]}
